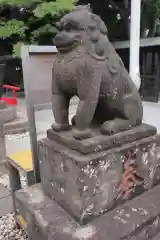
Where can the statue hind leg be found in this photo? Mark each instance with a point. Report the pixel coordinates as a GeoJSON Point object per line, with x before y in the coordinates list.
{"type": "Point", "coordinates": [132, 113]}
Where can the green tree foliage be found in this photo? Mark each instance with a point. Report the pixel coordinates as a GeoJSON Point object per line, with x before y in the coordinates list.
{"type": "Point", "coordinates": [33, 21]}
{"type": "Point", "coordinates": [16, 2]}
{"type": "Point", "coordinates": [30, 21]}
{"type": "Point", "coordinates": [150, 16]}
{"type": "Point", "coordinates": [52, 8]}
{"type": "Point", "coordinates": [12, 27]}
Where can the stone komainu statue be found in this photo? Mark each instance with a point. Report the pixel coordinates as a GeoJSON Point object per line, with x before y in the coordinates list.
{"type": "Point", "coordinates": [88, 66]}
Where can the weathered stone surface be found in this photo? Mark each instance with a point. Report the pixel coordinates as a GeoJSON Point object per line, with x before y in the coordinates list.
{"type": "Point", "coordinates": [100, 142]}
{"type": "Point", "coordinates": [87, 66]}
{"type": "Point", "coordinates": [139, 219]}
{"type": "Point", "coordinates": [89, 185]}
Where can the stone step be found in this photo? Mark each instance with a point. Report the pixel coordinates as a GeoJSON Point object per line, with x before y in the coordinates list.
{"type": "Point", "coordinates": [45, 219]}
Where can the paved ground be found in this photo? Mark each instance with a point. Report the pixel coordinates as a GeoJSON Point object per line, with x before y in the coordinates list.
{"type": "Point", "coordinates": [5, 201]}
{"type": "Point", "coordinates": [152, 114]}
{"type": "Point", "coordinates": [44, 119]}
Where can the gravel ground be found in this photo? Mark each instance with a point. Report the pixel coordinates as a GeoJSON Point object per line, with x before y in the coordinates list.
{"type": "Point", "coordinates": [4, 180]}
{"type": "Point", "coordinates": [8, 229]}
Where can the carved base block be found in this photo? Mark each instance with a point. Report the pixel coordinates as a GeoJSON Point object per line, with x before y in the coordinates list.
{"type": "Point", "coordinates": [100, 142]}
{"type": "Point", "coordinates": [87, 186]}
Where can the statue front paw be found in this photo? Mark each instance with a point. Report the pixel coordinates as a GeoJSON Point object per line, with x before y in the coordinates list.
{"type": "Point", "coordinates": [115, 126]}
{"type": "Point", "coordinates": [82, 134]}
{"type": "Point", "coordinates": [60, 127]}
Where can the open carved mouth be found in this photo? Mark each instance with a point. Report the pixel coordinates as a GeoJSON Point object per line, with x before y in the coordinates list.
{"type": "Point", "coordinates": [66, 46]}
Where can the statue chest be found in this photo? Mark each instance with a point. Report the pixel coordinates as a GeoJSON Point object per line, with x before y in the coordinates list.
{"type": "Point", "coordinates": [66, 72]}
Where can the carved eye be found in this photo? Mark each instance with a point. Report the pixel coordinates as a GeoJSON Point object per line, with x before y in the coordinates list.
{"type": "Point", "coordinates": [92, 27]}
{"type": "Point", "coordinates": [71, 26]}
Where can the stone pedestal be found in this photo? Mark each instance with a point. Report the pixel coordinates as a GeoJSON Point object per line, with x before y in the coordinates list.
{"type": "Point", "coordinates": [90, 177]}
{"type": "Point", "coordinates": [86, 185]}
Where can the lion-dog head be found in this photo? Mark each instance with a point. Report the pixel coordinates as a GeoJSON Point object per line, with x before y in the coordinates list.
{"type": "Point", "coordinates": [82, 27]}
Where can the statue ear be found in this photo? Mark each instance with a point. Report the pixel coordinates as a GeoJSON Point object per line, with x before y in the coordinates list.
{"type": "Point", "coordinates": [100, 24]}
{"type": "Point", "coordinates": [93, 33]}
{"type": "Point", "coordinates": [95, 41]}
